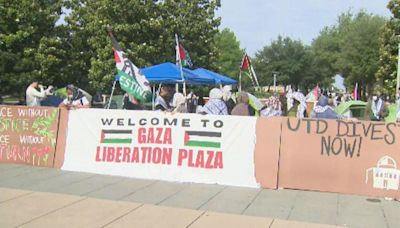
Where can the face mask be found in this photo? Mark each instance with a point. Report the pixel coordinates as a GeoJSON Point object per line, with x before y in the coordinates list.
{"type": "Point", "coordinates": [70, 97]}
{"type": "Point", "coordinates": [375, 98]}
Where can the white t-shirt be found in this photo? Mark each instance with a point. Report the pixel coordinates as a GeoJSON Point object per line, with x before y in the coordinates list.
{"type": "Point", "coordinates": [33, 96]}
{"type": "Point", "coordinates": [80, 102]}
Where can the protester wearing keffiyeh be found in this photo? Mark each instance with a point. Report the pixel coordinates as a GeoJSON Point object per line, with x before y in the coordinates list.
{"type": "Point", "coordinates": [215, 106]}
{"type": "Point", "coordinates": [273, 107]}
{"type": "Point", "coordinates": [299, 105]}
{"type": "Point", "coordinates": [323, 110]}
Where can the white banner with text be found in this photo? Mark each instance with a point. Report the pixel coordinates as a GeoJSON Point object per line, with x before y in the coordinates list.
{"type": "Point", "coordinates": [155, 145]}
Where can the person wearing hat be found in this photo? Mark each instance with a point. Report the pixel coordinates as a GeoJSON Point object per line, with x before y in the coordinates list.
{"type": "Point", "coordinates": [75, 99]}
{"type": "Point", "coordinates": [215, 106]}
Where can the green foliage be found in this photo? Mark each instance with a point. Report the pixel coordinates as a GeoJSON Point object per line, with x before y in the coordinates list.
{"type": "Point", "coordinates": [350, 48]}
{"type": "Point", "coordinates": [359, 48]}
{"type": "Point", "coordinates": [145, 31]}
{"type": "Point", "coordinates": [388, 52]}
{"type": "Point", "coordinates": [42, 126]}
{"type": "Point", "coordinates": [290, 59]}
{"type": "Point", "coordinates": [28, 43]}
{"type": "Point", "coordinates": [230, 53]}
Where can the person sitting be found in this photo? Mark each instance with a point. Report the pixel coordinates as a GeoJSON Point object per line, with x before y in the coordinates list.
{"type": "Point", "coordinates": [75, 99]}
{"type": "Point", "coordinates": [323, 110]}
{"type": "Point", "coordinates": [242, 106]}
{"type": "Point", "coordinates": [164, 98]}
{"type": "Point", "coordinates": [33, 96]}
{"type": "Point", "coordinates": [215, 106]}
{"type": "Point", "coordinates": [179, 103]}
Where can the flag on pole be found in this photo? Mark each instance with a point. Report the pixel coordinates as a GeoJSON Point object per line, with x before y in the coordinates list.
{"type": "Point", "coordinates": [355, 92]}
{"type": "Point", "coordinates": [130, 77]}
{"type": "Point", "coordinates": [248, 69]}
{"type": "Point", "coordinates": [182, 56]}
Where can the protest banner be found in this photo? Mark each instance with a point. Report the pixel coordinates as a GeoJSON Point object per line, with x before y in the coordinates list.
{"type": "Point", "coordinates": [340, 156]}
{"type": "Point", "coordinates": [266, 155]}
{"type": "Point", "coordinates": [28, 135]}
{"type": "Point", "coordinates": [156, 145]}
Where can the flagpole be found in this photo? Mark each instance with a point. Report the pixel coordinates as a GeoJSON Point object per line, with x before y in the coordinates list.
{"type": "Point", "coordinates": [153, 98]}
{"type": "Point", "coordinates": [240, 81]}
{"type": "Point", "coordinates": [112, 93]}
{"type": "Point", "coordinates": [178, 55]}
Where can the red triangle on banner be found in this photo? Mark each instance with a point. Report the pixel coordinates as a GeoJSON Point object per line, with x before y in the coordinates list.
{"type": "Point", "coordinates": [116, 56]}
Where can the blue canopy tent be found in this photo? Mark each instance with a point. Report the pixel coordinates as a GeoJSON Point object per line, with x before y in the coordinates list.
{"type": "Point", "coordinates": [218, 78]}
{"type": "Point", "coordinates": [170, 73]}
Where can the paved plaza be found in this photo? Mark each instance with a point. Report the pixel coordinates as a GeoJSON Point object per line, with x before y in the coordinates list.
{"type": "Point", "coordinates": [44, 197]}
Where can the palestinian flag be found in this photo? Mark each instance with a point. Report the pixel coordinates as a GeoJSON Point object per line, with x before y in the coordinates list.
{"type": "Point", "coordinates": [248, 69]}
{"type": "Point", "coordinates": [182, 56]}
{"type": "Point", "coordinates": [116, 136]}
{"type": "Point", "coordinates": [130, 77]}
{"type": "Point", "coordinates": [202, 139]}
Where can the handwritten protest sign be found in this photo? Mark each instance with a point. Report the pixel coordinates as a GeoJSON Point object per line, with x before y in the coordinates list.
{"type": "Point", "coordinates": [28, 135]}
{"type": "Point", "coordinates": [340, 156]}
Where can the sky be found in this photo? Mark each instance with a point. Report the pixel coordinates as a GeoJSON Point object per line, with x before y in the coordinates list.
{"type": "Point", "coordinates": [257, 22]}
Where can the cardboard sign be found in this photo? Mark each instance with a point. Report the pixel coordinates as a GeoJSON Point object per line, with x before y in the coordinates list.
{"type": "Point", "coordinates": [338, 156]}
{"type": "Point", "coordinates": [155, 145]}
{"type": "Point", "coordinates": [28, 135]}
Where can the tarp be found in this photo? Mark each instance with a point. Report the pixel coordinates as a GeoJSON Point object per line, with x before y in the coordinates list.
{"type": "Point", "coordinates": [170, 73]}
{"type": "Point", "coordinates": [218, 78]}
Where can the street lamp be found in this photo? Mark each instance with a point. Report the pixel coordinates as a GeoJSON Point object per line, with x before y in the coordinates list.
{"type": "Point", "coordinates": [275, 73]}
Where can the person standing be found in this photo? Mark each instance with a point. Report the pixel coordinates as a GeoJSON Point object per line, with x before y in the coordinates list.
{"type": "Point", "coordinates": [242, 106]}
{"type": "Point", "coordinates": [376, 109]}
{"type": "Point", "coordinates": [215, 106]}
{"type": "Point", "coordinates": [34, 96]}
{"type": "Point", "coordinates": [164, 98]}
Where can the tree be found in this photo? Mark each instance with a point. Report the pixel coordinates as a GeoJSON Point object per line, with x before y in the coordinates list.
{"type": "Point", "coordinates": [388, 52]}
{"type": "Point", "coordinates": [290, 59]}
{"type": "Point", "coordinates": [230, 53]}
{"type": "Point", "coordinates": [29, 43]}
{"type": "Point", "coordinates": [145, 30]}
{"type": "Point", "coordinates": [359, 49]}
{"type": "Point", "coordinates": [350, 48]}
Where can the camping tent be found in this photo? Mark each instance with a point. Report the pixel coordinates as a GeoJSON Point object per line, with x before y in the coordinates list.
{"type": "Point", "coordinates": [170, 73]}
{"type": "Point", "coordinates": [218, 78]}
{"type": "Point", "coordinates": [357, 109]}
{"type": "Point", "coordinates": [392, 117]}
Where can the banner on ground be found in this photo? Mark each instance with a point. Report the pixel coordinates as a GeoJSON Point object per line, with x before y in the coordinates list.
{"type": "Point", "coordinates": [340, 156]}
{"type": "Point", "coordinates": [154, 145]}
{"type": "Point", "coordinates": [28, 135]}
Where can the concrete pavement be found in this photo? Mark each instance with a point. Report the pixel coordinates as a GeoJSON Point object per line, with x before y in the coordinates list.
{"type": "Point", "coordinates": [30, 195]}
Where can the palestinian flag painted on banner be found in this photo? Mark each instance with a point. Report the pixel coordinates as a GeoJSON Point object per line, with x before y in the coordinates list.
{"type": "Point", "coordinates": [116, 136]}
{"type": "Point", "coordinates": [248, 69]}
{"type": "Point", "coordinates": [130, 77]}
{"type": "Point", "coordinates": [202, 139]}
{"type": "Point", "coordinates": [182, 55]}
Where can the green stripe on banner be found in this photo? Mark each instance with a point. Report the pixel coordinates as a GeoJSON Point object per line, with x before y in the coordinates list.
{"type": "Point", "coordinates": [203, 144]}
{"type": "Point", "coordinates": [117, 141]}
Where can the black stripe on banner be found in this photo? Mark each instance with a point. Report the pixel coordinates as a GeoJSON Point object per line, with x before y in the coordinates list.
{"type": "Point", "coordinates": [205, 133]}
{"type": "Point", "coordinates": [117, 131]}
